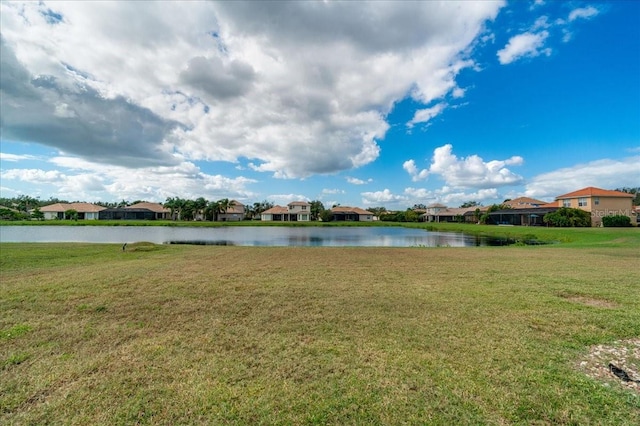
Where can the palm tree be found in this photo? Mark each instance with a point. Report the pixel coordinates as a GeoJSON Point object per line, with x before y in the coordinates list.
{"type": "Point", "coordinates": [212, 210]}
{"type": "Point", "coordinates": [199, 205]}
{"type": "Point", "coordinates": [170, 203]}
{"type": "Point", "coordinates": [225, 204]}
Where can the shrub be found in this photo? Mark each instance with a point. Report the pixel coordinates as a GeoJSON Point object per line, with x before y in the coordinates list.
{"type": "Point", "coordinates": [616, 221]}
{"type": "Point", "coordinates": [568, 217]}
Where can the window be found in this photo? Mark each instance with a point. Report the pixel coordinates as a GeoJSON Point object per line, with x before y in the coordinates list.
{"type": "Point", "coordinates": [304, 207]}
{"type": "Point", "coordinates": [582, 202]}
{"type": "Point", "coordinates": [566, 203]}
{"type": "Point", "coordinates": [596, 201]}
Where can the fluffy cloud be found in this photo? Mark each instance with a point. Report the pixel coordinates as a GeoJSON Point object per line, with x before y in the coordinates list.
{"type": "Point", "coordinates": [297, 88]}
{"type": "Point", "coordinates": [410, 167]}
{"type": "Point", "coordinates": [524, 45]}
{"type": "Point", "coordinates": [94, 181]}
{"type": "Point", "coordinates": [382, 197]}
{"type": "Point", "coordinates": [450, 197]}
{"type": "Point", "coordinates": [356, 181]}
{"type": "Point", "coordinates": [607, 173]}
{"type": "Point", "coordinates": [467, 172]}
{"type": "Point", "coordinates": [583, 13]}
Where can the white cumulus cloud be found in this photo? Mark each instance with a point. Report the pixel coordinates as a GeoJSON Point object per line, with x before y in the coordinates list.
{"type": "Point", "coordinates": [583, 13]}
{"type": "Point", "coordinates": [605, 173]}
{"type": "Point", "coordinates": [467, 172]}
{"type": "Point", "coordinates": [296, 88]}
{"type": "Point", "coordinates": [524, 45]}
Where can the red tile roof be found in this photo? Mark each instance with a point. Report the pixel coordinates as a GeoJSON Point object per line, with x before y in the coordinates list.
{"type": "Point", "coordinates": [594, 192]}
{"type": "Point", "coordinates": [276, 210]}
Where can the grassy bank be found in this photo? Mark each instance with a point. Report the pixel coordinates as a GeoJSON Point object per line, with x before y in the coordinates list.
{"type": "Point", "coordinates": [243, 335]}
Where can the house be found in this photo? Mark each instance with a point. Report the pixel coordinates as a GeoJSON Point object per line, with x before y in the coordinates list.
{"type": "Point", "coordinates": [599, 202]}
{"type": "Point", "coordinates": [127, 213]}
{"type": "Point", "coordinates": [234, 213]}
{"type": "Point", "coordinates": [520, 216]}
{"type": "Point", "coordinates": [159, 211]}
{"type": "Point", "coordinates": [350, 214]}
{"type": "Point", "coordinates": [296, 211]}
{"type": "Point", "coordinates": [86, 211]}
{"type": "Point", "coordinates": [442, 213]}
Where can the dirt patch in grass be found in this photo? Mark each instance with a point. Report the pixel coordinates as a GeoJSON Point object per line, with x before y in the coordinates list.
{"type": "Point", "coordinates": [624, 354]}
{"type": "Point", "coordinates": [591, 301]}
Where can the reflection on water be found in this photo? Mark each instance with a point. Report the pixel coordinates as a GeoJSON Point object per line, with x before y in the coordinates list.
{"type": "Point", "coordinates": [249, 236]}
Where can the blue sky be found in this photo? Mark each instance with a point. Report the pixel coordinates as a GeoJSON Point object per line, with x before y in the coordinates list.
{"type": "Point", "coordinates": [363, 104]}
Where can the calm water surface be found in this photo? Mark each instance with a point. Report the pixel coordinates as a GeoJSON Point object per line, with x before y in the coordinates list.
{"type": "Point", "coordinates": [242, 236]}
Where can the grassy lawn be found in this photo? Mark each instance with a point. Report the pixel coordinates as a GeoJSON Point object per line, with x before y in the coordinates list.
{"type": "Point", "coordinates": [245, 335]}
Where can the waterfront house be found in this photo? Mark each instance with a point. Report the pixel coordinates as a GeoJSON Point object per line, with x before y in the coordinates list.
{"type": "Point", "coordinates": [86, 211]}
{"type": "Point", "coordinates": [296, 211]}
{"type": "Point", "coordinates": [599, 202]}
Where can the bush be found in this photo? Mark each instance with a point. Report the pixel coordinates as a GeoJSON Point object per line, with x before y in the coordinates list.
{"type": "Point", "coordinates": [616, 221]}
{"type": "Point", "coordinates": [568, 217]}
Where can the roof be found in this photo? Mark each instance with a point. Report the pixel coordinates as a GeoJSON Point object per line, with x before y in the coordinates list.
{"type": "Point", "coordinates": [453, 211]}
{"type": "Point", "coordinates": [436, 206]}
{"type": "Point", "coordinates": [524, 202]}
{"type": "Point", "coordinates": [298, 203]}
{"type": "Point", "coordinates": [591, 191]}
{"type": "Point", "coordinates": [276, 210]}
{"type": "Point", "coordinates": [154, 207]}
{"type": "Point", "coordinates": [347, 210]}
{"type": "Point", "coordinates": [79, 207]}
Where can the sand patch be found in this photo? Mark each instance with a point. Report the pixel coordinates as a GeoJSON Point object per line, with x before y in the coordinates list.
{"type": "Point", "coordinates": [624, 354]}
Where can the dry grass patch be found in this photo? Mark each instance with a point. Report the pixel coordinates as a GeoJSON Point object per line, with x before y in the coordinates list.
{"type": "Point", "coordinates": [590, 301]}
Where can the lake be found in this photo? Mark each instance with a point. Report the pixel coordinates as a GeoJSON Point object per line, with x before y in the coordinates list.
{"type": "Point", "coordinates": [244, 236]}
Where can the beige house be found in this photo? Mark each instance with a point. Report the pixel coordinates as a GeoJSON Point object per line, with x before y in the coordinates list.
{"type": "Point", "coordinates": [86, 211]}
{"type": "Point", "coordinates": [158, 209]}
{"type": "Point", "coordinates": [296, 211]}
{"type": "Point", "coordinates": [598, 202]}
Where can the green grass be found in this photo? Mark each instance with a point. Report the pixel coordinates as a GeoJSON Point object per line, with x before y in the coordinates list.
{"type": "Point", "coordinates": [245, 335]}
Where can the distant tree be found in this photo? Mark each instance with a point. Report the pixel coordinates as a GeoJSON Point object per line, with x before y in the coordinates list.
{"type": "Point", "coordinates": [37, 214]}
{"type": "Point", "coordinates": [326, 215]}
{"type": "Point", "coordinates": [568, 217]}
{"type": "Point", "coordinates": [316, 209]}
{"type": "Point", "coordinates": [412, 216]}
{"type": "Point", "coordinates": [419, 207]}
{"type": "Point", "coordinates": [634, 191]}
{"type": "Point", "coordinates": [172, 204]}
{"type": "Point", "coordinates": [187, 210]}
{"type": "Point", "coordinates": [199, 205]}
{"type": "Point", "coordinates": [71, 214]}
{"type": "Point", "coordinates": [377, 211]}
{"type": "Point", "coordinates": [9, 214]}
{"type": "Point", "coordinates": [212, 210]}
{"type": "Point", "coordinates": [469, 204]}
{"type": "Point", "coordinates": [24, 203]}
